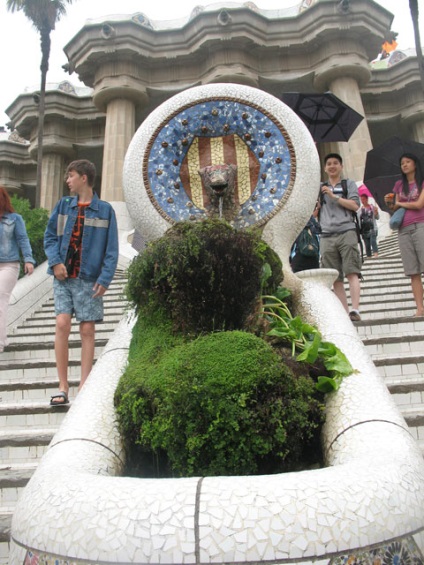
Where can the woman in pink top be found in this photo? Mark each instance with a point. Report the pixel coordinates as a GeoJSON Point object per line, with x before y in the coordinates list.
{"type": "Point", "coordinates": [410, 195]}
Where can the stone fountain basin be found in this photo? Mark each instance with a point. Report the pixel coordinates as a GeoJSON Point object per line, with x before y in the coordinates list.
{"type": "Point", "coordinates": [77, 507]}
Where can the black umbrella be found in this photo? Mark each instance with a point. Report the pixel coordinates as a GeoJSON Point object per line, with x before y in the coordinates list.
{"type": "Point", "coordinates": [326, 116]}
{"type": "Point", "coordinates": [382, 166]}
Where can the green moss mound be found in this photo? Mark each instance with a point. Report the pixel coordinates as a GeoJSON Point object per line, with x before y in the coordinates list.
{"type": "Point", "coordinates": [207, 275]}
{"type": "Point", "coordinates": [223, 404]}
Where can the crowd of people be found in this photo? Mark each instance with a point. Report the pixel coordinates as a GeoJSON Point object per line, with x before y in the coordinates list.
{"type": "Point", "coordinates": [81, 245]}
{"type": "Point", "coordinates": [346, 220]}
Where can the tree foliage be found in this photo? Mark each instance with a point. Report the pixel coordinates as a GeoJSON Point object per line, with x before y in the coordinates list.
{"type": "Point", "coordinates": [35, 222]}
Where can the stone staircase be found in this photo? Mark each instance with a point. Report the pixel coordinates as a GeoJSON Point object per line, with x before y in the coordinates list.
{"type": "Point", "coordinates": [393, 338]}
{"type": "Point", "coordinates": [27, 380]}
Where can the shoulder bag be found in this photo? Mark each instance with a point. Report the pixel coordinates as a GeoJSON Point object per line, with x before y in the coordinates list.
{"type": "Point", "coordinates": [397, 219]}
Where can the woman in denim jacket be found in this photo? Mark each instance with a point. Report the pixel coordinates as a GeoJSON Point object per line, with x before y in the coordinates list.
{"type": "Point", "coordinates": [13, 241]}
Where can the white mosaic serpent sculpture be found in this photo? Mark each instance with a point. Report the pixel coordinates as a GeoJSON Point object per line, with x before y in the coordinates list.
{"type": "Point", "coordinates": [370, 495]}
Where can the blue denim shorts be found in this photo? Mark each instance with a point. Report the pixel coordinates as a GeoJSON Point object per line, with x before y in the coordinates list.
{"type": "Point", "coordinates": [75, 296]}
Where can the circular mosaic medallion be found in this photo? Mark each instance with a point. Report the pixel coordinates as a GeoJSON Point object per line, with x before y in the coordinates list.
{"type": "Point", "coordinates": [265, 149]}
{"type": "Point", "coordinates": [216, 132]}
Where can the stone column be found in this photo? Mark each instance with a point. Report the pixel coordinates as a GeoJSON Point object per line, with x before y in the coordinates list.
{"type": "Point", "coordinates": [120, 127]}
{"type": "Point", "coordinates": [355, 150]}
{"type": "Point", "coordinates": [343, 69]}
{"type": "Point", "coordinates": [119, 91]}
{"type": "Point", "coordinates": [417, 126]}
{"type": "Point", "coordinates": [52, 180]}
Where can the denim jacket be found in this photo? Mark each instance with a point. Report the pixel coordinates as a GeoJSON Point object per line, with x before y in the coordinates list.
{"type": "Point", "coordinates": [13, 237]}
{"type": "Point", "coordinates": [99, 252]}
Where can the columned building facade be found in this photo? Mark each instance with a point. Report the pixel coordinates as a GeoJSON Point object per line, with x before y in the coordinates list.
{"type": "Point", "coordinates": [130, 65]}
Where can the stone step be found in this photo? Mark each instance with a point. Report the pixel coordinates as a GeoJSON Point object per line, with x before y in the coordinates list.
{"type": "Point", "coordinates": [44, 352]}
{"type": "Point", "coordinates": [403, 358]}
{"type": "Point", "coordinates": [395, 343]}
{"type": "Point", "coordinates": [109, 310]}
{"type": "Point", "coordinates": [22, 372]}
{"type": "Point", "coordinates": [47, 319]}
{"type": "Point", "coordinates": [6, 513]}
{"type": "Point", "coordinates": [388, 286]}
{"type": "Point", "coordinates": [47, 327]}
{"type": "Point", "coordinates": [116, 302]}
{"type": "Point", "coordinates": [394, 306]}
{"type": "Point", "coordinates": [389, 314]}
{"type": "Point", "coordinates": [405, 384]}
{"type": "Point", "coordinates": [38, 333]}
{"type": "Point", "coordinates": [414, 415]}
{"type": "Point", "coordinates": [28, 414]}
{"type": "Point", "coordinates": [26, 445]}
{"type": "Point", "coordinates": [13, 479]}
{"type": "Point", "coordinates": [33, 390]}
{"type": "Point", "coordinates": [389, 325]}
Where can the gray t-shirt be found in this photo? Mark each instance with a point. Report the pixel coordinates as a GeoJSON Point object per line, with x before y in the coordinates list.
{"type": "Point", "coordinates": [333, 218]}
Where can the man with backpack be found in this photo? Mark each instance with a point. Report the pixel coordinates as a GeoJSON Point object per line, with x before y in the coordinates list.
{"type": "Point", "coordinates": [339, 202]}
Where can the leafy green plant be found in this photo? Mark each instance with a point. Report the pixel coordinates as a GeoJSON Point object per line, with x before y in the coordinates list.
{"type": "Point", "coordinates": [35, 222]}
{"type": "Point", "coordinates": [305, 341]}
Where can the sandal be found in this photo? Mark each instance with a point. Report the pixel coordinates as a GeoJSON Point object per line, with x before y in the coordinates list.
{"type": "Point", "coordinates": [62, 395]}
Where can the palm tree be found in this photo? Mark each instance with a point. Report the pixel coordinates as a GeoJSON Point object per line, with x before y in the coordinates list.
{"type": "Point", "coordinates": [413, 6]}
{"type": "Point", "coordinates": [43, 14]}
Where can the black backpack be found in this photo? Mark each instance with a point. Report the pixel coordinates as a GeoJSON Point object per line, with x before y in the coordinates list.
{"type": "Point", "coordinates": [367, 223]}
{"type": "Point", "coordinates": [307, 243]}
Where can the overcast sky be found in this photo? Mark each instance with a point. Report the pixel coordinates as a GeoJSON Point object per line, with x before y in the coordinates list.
{"type": "Point", "coordinates": [20, 48]}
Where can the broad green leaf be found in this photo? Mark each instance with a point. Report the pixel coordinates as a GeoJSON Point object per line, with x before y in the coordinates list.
{"type": "Point", "coordinates": [326, 384]}
{"type": "Point", "coordinates": [282, 293]}
{"type": "Point", "coordinates": [310, 353]}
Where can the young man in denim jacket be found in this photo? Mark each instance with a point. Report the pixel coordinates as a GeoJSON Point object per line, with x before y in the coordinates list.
{"type": "Point", "coordinates": [81, 244]}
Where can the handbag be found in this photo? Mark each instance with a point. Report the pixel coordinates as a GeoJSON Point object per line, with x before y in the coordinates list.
{"type": "Point", "coordinates": [397, 219]}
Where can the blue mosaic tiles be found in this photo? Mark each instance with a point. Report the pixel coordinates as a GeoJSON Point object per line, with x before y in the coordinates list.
{"type": "Point", "coordinates": [219, 120]}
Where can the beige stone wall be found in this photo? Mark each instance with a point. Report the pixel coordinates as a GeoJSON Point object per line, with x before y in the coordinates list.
{"type": "Point", "coordinates": [132, 68]}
